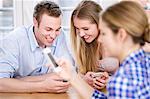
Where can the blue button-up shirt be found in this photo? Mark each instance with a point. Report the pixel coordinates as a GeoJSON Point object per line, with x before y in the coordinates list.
{"type": "Point", "coordinates": [20, 54]}
{"type": "Point", "coordinates": [131, 81]}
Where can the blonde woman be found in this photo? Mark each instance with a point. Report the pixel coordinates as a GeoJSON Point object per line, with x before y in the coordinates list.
{"type": "Point", "coordinates": [124, 27]}
{"type": "Point", "coordinates": [84, 34]}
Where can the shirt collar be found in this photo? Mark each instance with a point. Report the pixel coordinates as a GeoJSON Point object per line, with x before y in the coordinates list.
{"type": "Point", "coordinates": [133, 56]}
{"type": "Point", "coordinates": [32, 39]}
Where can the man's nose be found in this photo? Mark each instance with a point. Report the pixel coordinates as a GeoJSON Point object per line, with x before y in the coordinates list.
{"type": "Point", "coordinates": [53, 34]}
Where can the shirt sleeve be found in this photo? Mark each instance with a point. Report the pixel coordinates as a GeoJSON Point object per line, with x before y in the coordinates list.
{"type": "Point", "coordinates": [121, 87]}
{"type": "Point", "coordinates": [8, 58]}
{"type": "Point", "coordinates": [98, 95]}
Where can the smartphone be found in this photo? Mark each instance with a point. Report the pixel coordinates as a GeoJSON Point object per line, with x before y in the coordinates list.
{"type": "Point", "coordinates": [52, 59]}
{"type": "Point", "coordinates": [98, 74]}
{"type": "Point", "coordinates": [57, 68]}
{"type": "Point", "coordinates": [48, 55]}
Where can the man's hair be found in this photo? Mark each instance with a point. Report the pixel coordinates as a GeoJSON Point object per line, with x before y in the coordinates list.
{"type": "Point", "coordinates": [46, 7]}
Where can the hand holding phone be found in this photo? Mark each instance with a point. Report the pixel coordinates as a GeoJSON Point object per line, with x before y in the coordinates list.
{"type": "Point", "coordinates": [47, 53]}
{"type": "Point", "coordinates": [56, 68]}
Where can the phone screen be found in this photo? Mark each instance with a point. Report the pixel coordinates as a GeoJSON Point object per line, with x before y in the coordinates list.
{"type": "Point", "coordinates": [53, 60]}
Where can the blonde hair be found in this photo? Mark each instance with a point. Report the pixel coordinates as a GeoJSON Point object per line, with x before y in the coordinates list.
{"type": "Point", "coordinates": [130, 16]}
{"type": "Point", "coordinates": [86, 54]}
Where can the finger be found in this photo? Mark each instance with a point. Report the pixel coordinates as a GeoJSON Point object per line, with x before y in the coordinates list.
{"type": "Point", "coordinates": [90, 73]}
{"type": "Point", "coordinates": [60, 83]}
{"type": "Point", "coordinates": [87, 78]}
{"type": "Point", "coordinates": [97, 86]}
{"type": "Point", "coordinates": [90, 83]}
{"type": "Point", "coordinates": [59, 62]}
{"type": "Point", "coordinates": [62, 90]}
{"type": "Point", "coordinates": [57, 89]}
{"type": "Point", "coordinates": [100, 80]}
{"type": "Point", "coordinates": [56, 77]}
{"type": "Point", "coordinates": [106, 74]}
{"type": "Point", "coordinates": [99, 83]}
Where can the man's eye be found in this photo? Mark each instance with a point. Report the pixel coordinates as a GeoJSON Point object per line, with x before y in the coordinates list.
{"type": "Point", "coordinates": [86, 29]}
{"type": "Point", "coordinates": [58, 30]}
{"type": "Point", "coordinates": [48, 30]}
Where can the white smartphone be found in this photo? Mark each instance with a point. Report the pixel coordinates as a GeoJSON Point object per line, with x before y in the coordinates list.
{"type": "Point", "coordinates": [57, 68]}
{"type": "Point", "coordinates": [48, 54]}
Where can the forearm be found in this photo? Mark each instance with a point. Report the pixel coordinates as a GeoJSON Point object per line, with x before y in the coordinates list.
{"type": "Point", "coordinates": [34, 78]}
{"type": "Point", "coordinates": [15, 85]}
{"type": "Point", "coordinates": [82, 87]}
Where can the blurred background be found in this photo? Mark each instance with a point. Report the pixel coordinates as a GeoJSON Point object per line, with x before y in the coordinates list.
{"type": "Point", "coordinates": [14, 13]}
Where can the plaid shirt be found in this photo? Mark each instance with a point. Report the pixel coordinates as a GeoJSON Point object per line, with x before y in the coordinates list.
{"type": "Point", "coordinates": [131, 81]}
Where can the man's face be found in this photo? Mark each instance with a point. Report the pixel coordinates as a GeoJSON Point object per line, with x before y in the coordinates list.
{"type": "Point", "coordinates": [47, 30]}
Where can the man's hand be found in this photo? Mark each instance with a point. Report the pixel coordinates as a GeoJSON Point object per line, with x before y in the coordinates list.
{"type": "Point", "coordinates": [54, 83]}
{"type": "Point", "coordinates": [45, 83]}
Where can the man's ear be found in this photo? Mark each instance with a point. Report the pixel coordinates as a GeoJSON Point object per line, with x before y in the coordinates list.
{"type": "Point", "coordinates": [122, 35]}
{"type": "Point", "coordinates": [35, 22]}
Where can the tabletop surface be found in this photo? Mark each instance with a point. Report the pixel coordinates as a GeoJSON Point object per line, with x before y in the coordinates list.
{"type": "Point", "coordinates": [71, 94]}
{"type": "Point", "coordinates": [34, 96]}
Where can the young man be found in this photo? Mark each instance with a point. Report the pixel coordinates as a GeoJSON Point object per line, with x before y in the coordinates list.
{"type": "Point", "coordinates": [23, 67]}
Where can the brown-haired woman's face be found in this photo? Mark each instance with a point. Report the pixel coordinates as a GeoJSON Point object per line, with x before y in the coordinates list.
{"type": "Point", "coordinates": [85, 29]}
{"type": "Point", "coordinates": [108, 40]}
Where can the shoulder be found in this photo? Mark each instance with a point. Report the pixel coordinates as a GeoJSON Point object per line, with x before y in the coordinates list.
{"type": "Point", "coordinates": [17, 34]}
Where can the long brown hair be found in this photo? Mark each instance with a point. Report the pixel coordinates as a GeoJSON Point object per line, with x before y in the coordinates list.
{"type": "Point", "coordinates": [86, 54]}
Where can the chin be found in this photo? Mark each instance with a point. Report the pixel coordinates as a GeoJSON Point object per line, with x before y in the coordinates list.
{"type": "Point", "coordinates": [89, 41]}
{"type": "Point", "coordinates": [48, 44]}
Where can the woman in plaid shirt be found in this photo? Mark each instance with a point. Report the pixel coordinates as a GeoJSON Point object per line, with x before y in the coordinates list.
{"type": "Point", "coordinates": [124, 29]}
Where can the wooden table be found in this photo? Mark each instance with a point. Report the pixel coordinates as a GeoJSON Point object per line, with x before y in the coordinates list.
{"type": "Point", "coordinates": [34, 96]}
{"type": "Point", "coordinates": [71, 94]}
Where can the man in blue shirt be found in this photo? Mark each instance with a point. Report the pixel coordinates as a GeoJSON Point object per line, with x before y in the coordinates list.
{"type": "Point", "coordinates": [23, 67]}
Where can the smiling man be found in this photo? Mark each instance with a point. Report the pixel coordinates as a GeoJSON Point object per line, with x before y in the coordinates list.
{"type": "Point", "coordinates": [23, 67]}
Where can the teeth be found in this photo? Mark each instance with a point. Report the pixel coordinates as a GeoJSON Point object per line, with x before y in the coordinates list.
{"type": "Point", "coordinates": [86, 37]}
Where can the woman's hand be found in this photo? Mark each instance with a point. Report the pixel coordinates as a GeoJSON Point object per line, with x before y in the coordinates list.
{"type": "Point", "coordinates": [88, 78]}
{"type": "Point", "coordinates": [66, 69]}
{"type": "Point", "coordinates": [100, 82]}
{"type": "Point", "coordinates": [146, 47]}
